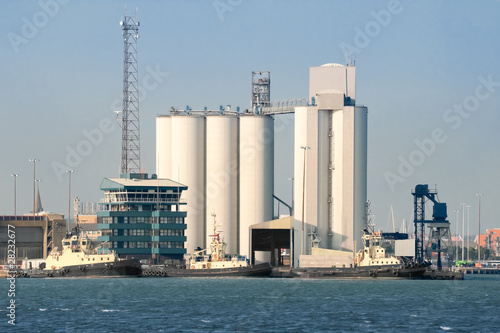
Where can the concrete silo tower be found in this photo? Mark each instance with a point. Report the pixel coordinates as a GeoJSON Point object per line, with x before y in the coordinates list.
{"type": "Point", "coordinates": [335, 130]}
{"type": "Point", "coordinates": [256, 147]}
{"type": "Point", "coordinates": [221, 196]}
{"type": "Point", "coordinates": [180, 153]}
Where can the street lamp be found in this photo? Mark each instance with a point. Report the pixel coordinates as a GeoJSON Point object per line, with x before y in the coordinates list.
{"type": "Point", "coordinates": [15, 175]}
{"type": "Point", "coordinates": [303, 196]}
{"type": "Point", "coordinates": [292, 225]}
{"type": "Point", "coordinates": [479, 195]}
{"type": "Point", "coordinates": [69, 200]}
{"type": "Point", "coordinates": [456, 228]}
{"type": "Point", "coordinates": [463, 228]}
{"type": "Point", "coordinates": [34, 160]}
{"type": "Point", "coordinates": [468, 230]}
{"type": "Point", "coordinates": [293, 203]}
{"type": "Point", "coordinates": [37, 205]}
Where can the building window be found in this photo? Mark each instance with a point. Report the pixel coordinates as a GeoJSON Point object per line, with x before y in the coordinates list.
{"type": "Point", "coordinates": [107, 220]}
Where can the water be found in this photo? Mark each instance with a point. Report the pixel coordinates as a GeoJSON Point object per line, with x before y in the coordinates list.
{"type": "Point", "coordinates": [252, 304]}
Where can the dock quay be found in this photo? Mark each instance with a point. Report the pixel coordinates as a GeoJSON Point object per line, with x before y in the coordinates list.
{"type": "Point", "coordinates": [282, 272]}
{"type": "Point", "coordinates": [476, 270]}
{"type": "Point", "coordinates": [432, 274]}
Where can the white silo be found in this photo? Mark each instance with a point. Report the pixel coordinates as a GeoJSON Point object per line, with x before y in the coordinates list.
{"type": "Point", "coordinates": [222, 177]}
{"type": "Point", "coordinates": [186, 164]}
{"type": "Point", "coordinates": [360, 169]}
{"type": "Point", "coordinates": [336, 164]}
{"type": "Point", "coordinates": [256, 184]}
{"type": "Point", "coordinates": [349, 176]}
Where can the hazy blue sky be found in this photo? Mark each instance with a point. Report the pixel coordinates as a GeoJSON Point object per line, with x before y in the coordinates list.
{"type": "Point", "coordinates": [427, 70]}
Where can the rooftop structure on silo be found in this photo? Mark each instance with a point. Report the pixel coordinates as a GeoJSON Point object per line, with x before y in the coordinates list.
{"type": "Point", "coordinates": [261, 85]}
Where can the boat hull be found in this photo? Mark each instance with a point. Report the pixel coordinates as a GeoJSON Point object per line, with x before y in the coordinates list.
{"type": "Point", "coordinates": [264, 269]}
{"type": "Point", "coordinates": [120, 268]}
{"type": "Point", "coordinates": [394, 272]}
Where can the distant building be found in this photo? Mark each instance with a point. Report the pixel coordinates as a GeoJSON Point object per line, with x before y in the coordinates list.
{"type": "Point", "coordinates": [87, 225]}
{"type": "Point", "coordinates": [491, 240]}
{"type": "Point", "coordinates": [141, 217]}
{"type": "Point", "coordinates": [87, 219]}
{"type": "Point", "coordinates": [35, 235]}
{"type": "Point", "coordinates": [90, 230]}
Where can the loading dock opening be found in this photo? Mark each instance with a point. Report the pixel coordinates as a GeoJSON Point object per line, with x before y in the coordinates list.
{"type": "Point", "coordinates": [270, 241]}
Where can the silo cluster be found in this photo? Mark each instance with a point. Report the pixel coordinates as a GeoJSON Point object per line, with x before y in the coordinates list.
{"type": "Point", "coordinates": [227, 161]}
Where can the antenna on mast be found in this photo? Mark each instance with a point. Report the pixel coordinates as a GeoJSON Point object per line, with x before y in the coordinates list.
{"type": "Point", "coordinates": [131, 159]}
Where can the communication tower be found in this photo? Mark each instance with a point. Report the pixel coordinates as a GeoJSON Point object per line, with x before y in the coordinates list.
{"type": "Point", "coordinates": [131, 159]}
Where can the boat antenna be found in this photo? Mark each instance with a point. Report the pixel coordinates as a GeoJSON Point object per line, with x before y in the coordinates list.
{"type": "Point", "coordinates": [157, 206]}
{"type": "Point", "coordinates": [369, 224]}
{"type": "Point", "coordinates": [216, 233]}
{"type": "Point", "coordinates": [76, 209]}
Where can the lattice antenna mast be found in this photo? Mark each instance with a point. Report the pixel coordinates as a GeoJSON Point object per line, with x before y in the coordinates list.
{"type": "Point", "coordinates": [131, 154]}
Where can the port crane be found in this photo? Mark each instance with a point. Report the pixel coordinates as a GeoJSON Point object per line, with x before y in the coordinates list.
{"type": "Point", "coordinates": [440, 237]}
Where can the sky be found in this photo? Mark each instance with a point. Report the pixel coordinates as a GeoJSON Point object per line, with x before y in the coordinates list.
{"type": "Point", "coordinates": [428, 71]}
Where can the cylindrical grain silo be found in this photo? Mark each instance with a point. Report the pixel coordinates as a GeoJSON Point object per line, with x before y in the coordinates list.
{"type": "Point", "coordinates": [222, 178]}
{"type": "Point", "coordinates": [163, 146]}
{"type": "Point", "coordinates": [256, 174]}
{"type": "Point", "coordinates": [360, 170]}
{"type": "Point", "coordinates": [188, 168]}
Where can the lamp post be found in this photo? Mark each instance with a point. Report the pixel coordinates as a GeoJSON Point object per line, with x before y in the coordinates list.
{"type": "Point", "coordinates": [69, 200]}
{"type": "Point", "coordinates": [456, 228]}
{"type": "Point", "coordinates": [303, 197]}
{"type": "Point", "coordinates": [15, 175]}
{"type": "Point", "coordinates": [293, 203]}
{"type": "Point", "coordinates": [468, 230]}
{"type": "Point", "coordinates": [34, 160]}
{"type": "Point", "coordinates": [479, 195]}
{"type": "Point", "coordinates": [37, 206]}
{"type": "Point", "coordinates": [463, 228]}
{"type": "Point", "coordinates": [292, 224]}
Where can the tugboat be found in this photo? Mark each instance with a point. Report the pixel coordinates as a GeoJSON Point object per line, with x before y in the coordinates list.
{"type": "Point", "coordinates": [215, 264]}
{"type": "Point", "coordinates": [79, 258]}
{"type": "Point", "coordinates": [372, 261]}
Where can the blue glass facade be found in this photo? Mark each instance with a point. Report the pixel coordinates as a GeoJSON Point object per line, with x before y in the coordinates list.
{"type": "Point", "coordinates": [141, 217]}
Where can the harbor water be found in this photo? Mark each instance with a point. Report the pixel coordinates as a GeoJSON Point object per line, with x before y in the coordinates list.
{"type": "Point", "coordinates": [252, 304]}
